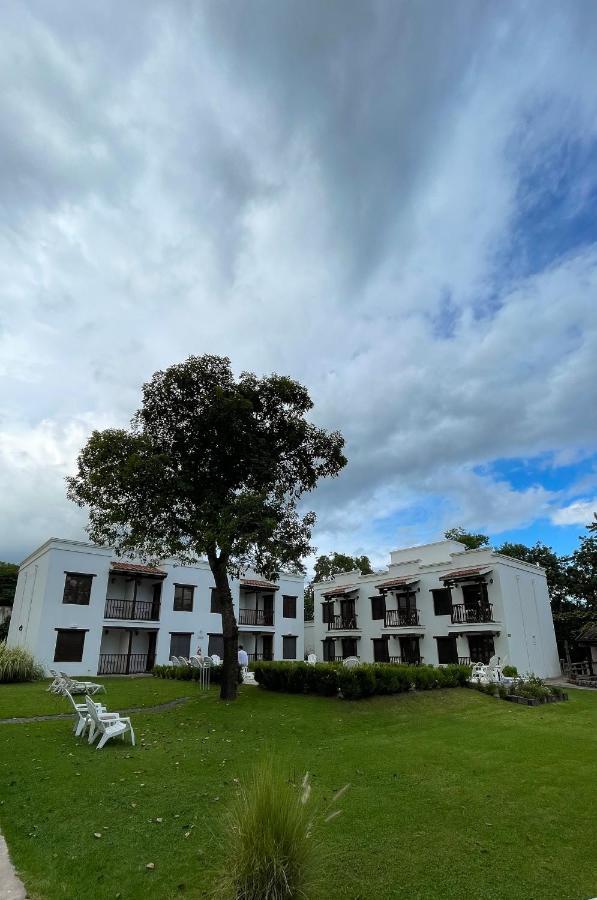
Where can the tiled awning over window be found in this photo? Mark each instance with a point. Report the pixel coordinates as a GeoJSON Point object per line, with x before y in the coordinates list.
{"type": "Point", "coordinates": [256, 585]}
{"type": "Point", "coordinates": [476, 573]}
{"type": "Point", "coordinates": [341, 590]}
{"type": "Point", "coordinates": [405, 581]}
{"type": "Point", "coordinates": [123, 568]}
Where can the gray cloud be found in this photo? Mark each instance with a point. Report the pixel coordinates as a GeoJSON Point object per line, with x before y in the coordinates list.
{"type": "Point", "coordinates": [327, 190]}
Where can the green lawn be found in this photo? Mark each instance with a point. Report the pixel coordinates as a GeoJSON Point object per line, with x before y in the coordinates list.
{"type": "Point", "coordinates": [454, 794]}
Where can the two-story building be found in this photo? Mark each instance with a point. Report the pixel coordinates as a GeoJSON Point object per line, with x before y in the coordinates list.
{"type": "Point", "coordinates": [439, 603]}
{"type": "Point", "coordinates": [79, 609]}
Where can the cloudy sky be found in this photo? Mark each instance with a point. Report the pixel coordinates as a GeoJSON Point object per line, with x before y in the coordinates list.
{"type": "Point", "coordinates": [393, 202]}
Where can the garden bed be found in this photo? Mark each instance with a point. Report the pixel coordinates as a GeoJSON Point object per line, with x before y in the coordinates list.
{"type": "Point", "coordinates": [534, 701]}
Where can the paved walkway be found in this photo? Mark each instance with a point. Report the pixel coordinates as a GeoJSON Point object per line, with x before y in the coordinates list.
{"type": "Point", "coordinates": [27, 720]}
{"type": "Point", "coordinates": [11, 886]}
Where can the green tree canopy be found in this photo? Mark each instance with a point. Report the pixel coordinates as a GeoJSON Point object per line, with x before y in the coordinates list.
{"type": "Point", "coordinates": [326, 566]}
{"type": "Point", "coordinates": [556, 568]}
{"type": "Point", "coordinates": [468, 538]}
{"type": "Point", "coordinates": [8, 582]}
{"type": "Point", "coordinates": [212, 466]}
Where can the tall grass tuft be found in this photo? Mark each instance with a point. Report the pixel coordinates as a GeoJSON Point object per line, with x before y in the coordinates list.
{"type": "Point", "coordinates": [272, 848]}
{"type": "Point", "coordinates": [17, 664]}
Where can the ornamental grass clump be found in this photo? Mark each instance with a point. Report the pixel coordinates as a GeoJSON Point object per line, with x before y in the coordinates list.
{"type": "Point", "coordinates": [272, 840]}
{"type": "Point", "coordinates": [17, 664]}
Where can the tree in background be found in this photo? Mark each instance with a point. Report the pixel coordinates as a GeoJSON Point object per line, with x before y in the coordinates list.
{"type": "Point", "coordinates": [556, 569]}
{"type": "Point", "coordinates": [328, 566]}
{"type": "Point", "coordinates": [469, 539]}
{"type": "Point", "coordinates": [212, 466]}
{"type": "Point", "coordinates": [8, 582]}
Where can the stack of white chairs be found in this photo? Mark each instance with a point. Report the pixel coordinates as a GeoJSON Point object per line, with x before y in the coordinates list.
{"type": "Point", "coordinates": [311, 659]}
{"type": "Point", "coordinates": [351, 662]}
{"type": "Point", "coordinates": [95, 718]}
{"type": "Point", "coordinates": [63, 682]}
{"type": "Point", "coordinates": [204, 664]}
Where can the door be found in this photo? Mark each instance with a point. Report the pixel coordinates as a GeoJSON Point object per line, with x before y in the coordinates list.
{"type": "Point", "coordinates": [268, 609]}
{"type": "Point", "coordinates": [151, 641]}
{"type": "Point", "coordinates": [381, 652]}
{"type": "Point", "coordinates": [349, 647]}
{"type": "Point", "coordinates": [347, 612]}
{"type": "Point", "coordinates": [267, 646]}
{"type": "Point", "coordinates": [481, 647]}
{"type": "Point", "coordinates": [329, 651]}
{"type": "Point", "coordinates": [446, 650]}
{"type": "Point", "coordinates": [409, 650]}
{"type": "Point", "coordinates": [155, 601]}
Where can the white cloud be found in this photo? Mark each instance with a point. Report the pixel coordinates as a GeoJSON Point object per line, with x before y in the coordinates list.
{"type": "Point", "coordinates": [581, 512]}
{"type": "Point", "coordinates": [344, 209]}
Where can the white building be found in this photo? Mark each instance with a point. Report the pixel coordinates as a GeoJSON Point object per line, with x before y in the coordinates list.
{"type": "Point", "coordinates": [79, 609]}
{"type": "Point", "coordinates": [440, 603]}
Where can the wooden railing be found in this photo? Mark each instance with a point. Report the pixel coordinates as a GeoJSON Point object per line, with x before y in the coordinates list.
{"type": "Point", "coordinates": [342, 623]}
{"type": "Point", "coordinates": [255, 617]}
{"type": "Point", "coordinates": [398, 618]}
{"type": "Point", "coordinates": [255, 657]}
{"type": "Point", "coordinates": [122, 663]}
{"type": "Point", "coordinates": [140, 610]}
{"type": "Point", "coordinates": [472, 615]}
{"type": "Point", "coordinates": [464, 661]}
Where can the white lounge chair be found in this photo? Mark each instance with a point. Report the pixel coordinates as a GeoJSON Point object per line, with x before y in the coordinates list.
{"type": "Point", "coordinates": [114, 726]}
{"type": "Point", "coordinates": [56, 683]}
{"type": "Point", "coordinates": [311, 659]}
{"type": "Point", "coordinates": [80, 687]}
{"type": "Point", "coordinates": [82, 714]}
{"type": "Point", "coordinates": [351, 662]}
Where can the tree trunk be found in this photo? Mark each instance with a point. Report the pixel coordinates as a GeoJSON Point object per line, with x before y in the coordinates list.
{"type": "Point", "coordinates": [229, 686]}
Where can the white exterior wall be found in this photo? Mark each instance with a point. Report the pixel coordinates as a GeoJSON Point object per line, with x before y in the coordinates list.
{"type": "Point", "coordinates": [39, 610]}
{"type": "Point", "coordinates": [310, 646]}
{"type": "Point", "coordinates": [522, 625]}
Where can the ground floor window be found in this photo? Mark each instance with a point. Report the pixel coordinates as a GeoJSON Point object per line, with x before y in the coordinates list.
{"type": "Point", "coordinates": [69, 645]}
{"type": "Point", "coordinates": [289, 647]}
{"type": "Point", "coordinates": [446, 650]}
{"type": "Point", "coordinates": [349, 647]}
{"type": "Point", "coordinates": [329, 651]}
{"type": "Point", "coordinates": [381, 652]}
{"type": "Point", "coordinates": [409, 650]}
{"type": "Point", "coordinates": [215, 645]}
{"type": "Point", "coordinates": [481, 647]}
{"type": "Point", "coordinates": [180, 644]}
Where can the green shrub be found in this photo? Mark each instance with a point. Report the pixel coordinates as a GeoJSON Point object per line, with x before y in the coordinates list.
{"type": "Point", "coordinates": [189, 673]}
{"type": "Point", "coordinates": [269, 850]}
{"type": "Point", "coordinates": [510, 671]}
{"type": "Point", "coordinates": [532, 687]}
{"type": "Point", "coordinates": [331, 679]}
{"type": "Point", "coordinates": [4, 627]}
{"type": "Point", "coordinates": [17, 664]}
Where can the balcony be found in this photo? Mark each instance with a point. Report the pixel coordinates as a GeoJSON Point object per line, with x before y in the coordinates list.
{"type": "Point", "coordinates": [139, 610]}
{"type": "Point", "coordinates": [472, 615]}
{"type": "Point", "coordinates": [123, 663]}
{"type": "Point", "coordinates": [260, 617]}
{"type": "Point", "coordinates": [399, 618]}
{"type": "Point", "coordinates": [257, 657]}
{"type": "Point", "coordinates": [342, 623]}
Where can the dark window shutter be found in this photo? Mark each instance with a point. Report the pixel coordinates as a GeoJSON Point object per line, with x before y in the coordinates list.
{"type": "Point", "coordinates": [378, 607]}
{"type": "Point", "coordinates": [289, 647]}
{"type": "Point", "coordinates": [442, 601]}
{"type": "Point", "coordinates": [215, 605]}
{"type": "Point", "coordinates": [289, 607]}
{"type": "Point", "coordinates": [69, 646]}
{"type": "Point", "coordinates": [180, 644]}
{"type": "Point", "coordinates": [77, 588]}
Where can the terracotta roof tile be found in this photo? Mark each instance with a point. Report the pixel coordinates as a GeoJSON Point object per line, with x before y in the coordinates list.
{"type": "Point", "coordinates": [136, 569]}
{"type": "Point", "coordinates": [341, 589]}
{"type": "Point", "coordinates": [397, 582]}
{"type": "Point", "coordinates": [464, 573]}
{"type": "Point", "coordinates": [259, 585]}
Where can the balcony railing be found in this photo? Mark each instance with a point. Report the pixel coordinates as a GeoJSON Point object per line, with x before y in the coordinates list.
{"type": "Point", "coordinates": [342, 623]}
{"type": "Point", "coordinates": [472, 615]}
{"type": "Point", "coordinates": [255, 617]}
{"type": "Point", "coordinates": [144, 610]}
{"type": "Point", "coordinates": [464, 661]}
{"type": "Point", "coordinates": [398, 618]}
{"type": "Point", "coordinates": [256, 657]}
{"type": "Point", "coordinates": [122, 663]}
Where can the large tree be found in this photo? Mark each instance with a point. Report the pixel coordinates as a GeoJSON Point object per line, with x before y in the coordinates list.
{"type": "Point", "coordinates": [471, 540]}
{"type": "Point", "coordinates": [556, 569]}
{"type": "Point", "coordinates": [328, 566]}
{"type": "Point", "coordinates": [8, 582]}
{"type": "Point", "coordinates": [212, 466]}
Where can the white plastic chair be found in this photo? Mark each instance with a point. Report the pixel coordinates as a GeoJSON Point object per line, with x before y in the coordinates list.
{"type": "Point", "coordinates": [216, 659]}
{"type": "Point", "coordinates": [80, 687]}
{"type": "Point", "coordinates": [82, 714]}
{"type": "Point", "coordinates": [114, 726]}
{"type": "Point", "coordinates": [196, 662]}
{"type": "Point", "coordinates": [57, 682]}
{"type": "Point", "coordinates": [311, 659]}
{"type": "Point", "coordinates": [351, 662]}
{"type": "Point", "coordinates": [183, 661]}
{"type": "Point", "coordinates": [175, 661]}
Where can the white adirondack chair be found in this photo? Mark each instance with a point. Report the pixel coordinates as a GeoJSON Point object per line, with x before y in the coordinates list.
{"type": "Point", "coordinates": [114, 726]}
{"type": "Point", "coordinates": [175, 661]}
{"type": "Point", "coordinates": [81, 713]}
{"type": "Point", "coordinates": [216, 659]}
{"type": "Point", "coordinates": [56, 683]}
{"type": "Point", "coordinates": [311, 659]}
{"type": "Point", "coordinates": [351, 662]}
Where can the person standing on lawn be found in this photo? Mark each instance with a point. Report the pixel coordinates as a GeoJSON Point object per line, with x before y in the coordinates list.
{"type": "Point", "coordinates": [243, 658]}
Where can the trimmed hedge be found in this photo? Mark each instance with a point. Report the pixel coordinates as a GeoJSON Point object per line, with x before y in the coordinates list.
{"type": "Point", "coordinates": [190, 673]}
{"type": "Point", "coordinates": [332, 679]}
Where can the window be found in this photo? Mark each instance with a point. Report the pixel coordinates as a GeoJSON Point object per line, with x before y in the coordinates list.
{"type": "Point", "coordinates": [406, 602]}
{"type": "Point", "coordinates": [69, 645]}
{"type": "Point", "coordinates": [288, 647]}
{"type": "Point", "coordinates": [378, 607]}
{"type": "Point", "coordinates": [446, 650]}
{"type": "Point", "coordinates": [475, 595]}
{"type": "Point", "coordinates": [381, 651]}
{"type": "Point", "coordinates": [183, 598]}
{"type": "Point", "coordinates": [289, 607]}
{"type": "Point", "coordinates": [327, 612]}
{"type": "Point", "coordinates": [329, 651]}
{"type": "Point", "coordinates": [442, 601]}
{"type": "Point", "coordinates": [77, 588]}
{"type": "Point", "coordinates": [215, 606]}
{"type": "Point", "coordinates": [481, 647]}
{"type": "Point", "coordinates": [409, 650]}
{"type": "Point", "coordinates": [349, 647]}
{"type": "Point", "coordinates": [180, 644]}
{"type": "Point", "coordinates": [215, 645]}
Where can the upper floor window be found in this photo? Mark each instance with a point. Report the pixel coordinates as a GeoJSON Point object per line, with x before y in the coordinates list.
{"type": "Point", "coordinates": [215, 605]}
{"type": "Point", "coordinates": [378, 607]}
{"type": "Point", "coordinates": [289, 607]}
{"type": "Point", "coordinates": [69, 645]}
{"type": "Point", "coordinates": [183, 597]}
{"type": "Point", "coordinates": [77, 588]}
{"type": "Point", "coordinates": [327, 612]}
{"type": "Point", "coordinates": [442, 601]}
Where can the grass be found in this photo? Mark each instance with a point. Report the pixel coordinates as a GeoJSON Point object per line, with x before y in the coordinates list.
{"type": "Point", "coordinates": [453, 794]}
